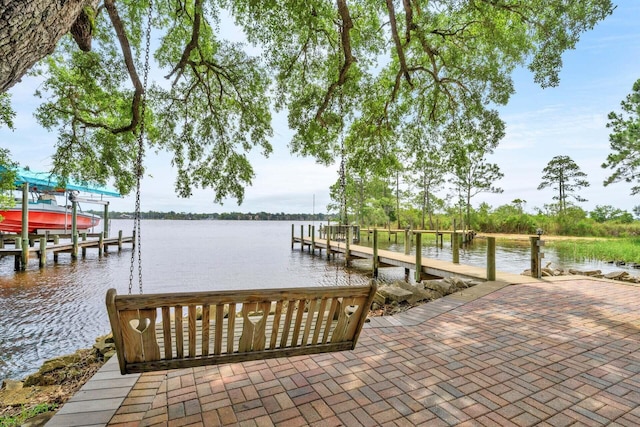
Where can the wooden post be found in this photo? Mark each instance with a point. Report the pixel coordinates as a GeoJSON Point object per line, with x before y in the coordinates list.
{"type": "Point", "coordinates": [407, 241]}
{"type": "Point", "coordinates": [105, 219]}
{"type": "Point", "coordinates": [56, 240]}
{"type": "Point", "coordinates": [407, 250]}
{"type": "Point", "coordinates": [25, 225]}
{"type": "Point", "coordinates": [418, 276]}
{"type": "Point", "coordinates": [25, 254]}
{"type": "Point", "coordinates": [328, 236]}
{"type": "Point", "coordinates": [535, 260]}
{"type": "Point", "coordinates": [43, 252]}
{"type": "Point", "coordinates": [74, 251]}
{"type": "Point", "coordinates": [375, 253]}
{"type": "Point", "coordinates": [292, 235]}
{"type": "Point", "coordinates": [301, 238]}
{"type": "Point", "coordinates": [74, 218]}
{"type": "Point", "coordinates": [455, 243]}
{"type": "Point", "coordinates": [74, 229]}
{"type": "Point", "coordinates": [347, 251]}
{"type": "Point", "coordinates": [100, 245]}
{"type": "Point", "coordinates": [491, 258]}
{"type": "Point", "coordinates": [313, 239]}
{"type": "Point", "coordinates": [84, 249]}
{"type": "Point", "coordinates": [119, 240]}
{"type": "Point", "coordinates": [18, 258]}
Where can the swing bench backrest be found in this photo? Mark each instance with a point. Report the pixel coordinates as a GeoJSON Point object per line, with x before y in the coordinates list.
{"type": "Point", "coordinates": [181, 330]}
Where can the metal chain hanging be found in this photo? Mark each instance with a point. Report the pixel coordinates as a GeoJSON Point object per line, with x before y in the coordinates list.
{"type": "Point", "coordinates": [343, 184]}
{"type": "Point", "coordinates": [138, 165]}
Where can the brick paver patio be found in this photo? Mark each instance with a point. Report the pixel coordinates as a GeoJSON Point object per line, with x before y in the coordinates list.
{"type": "Point", "coordinates": [545, 353]}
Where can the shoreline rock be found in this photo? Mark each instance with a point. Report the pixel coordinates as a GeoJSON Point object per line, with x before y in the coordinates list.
{"type": "Point", "coordinates": [400, 296]}
{"type": "Point", "coordinates": [620, 275]}
{"type": "Point", "coordinates": [55, 381]}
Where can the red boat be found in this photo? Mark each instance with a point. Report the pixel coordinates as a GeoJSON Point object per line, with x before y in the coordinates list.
{"type": "Point", "coordinates": [45, 214]}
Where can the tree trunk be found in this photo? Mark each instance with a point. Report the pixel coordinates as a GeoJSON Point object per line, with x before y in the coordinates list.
{"type": "Point", "coordinates": [30, 30]}
{"type": "Point", "coordinates": [424, 199]}
{"type": "Point", "coordinates": [398, 198]}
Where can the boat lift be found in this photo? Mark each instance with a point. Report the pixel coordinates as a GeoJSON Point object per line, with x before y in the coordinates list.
{"type": "Point", "coordinates": [44, 181]}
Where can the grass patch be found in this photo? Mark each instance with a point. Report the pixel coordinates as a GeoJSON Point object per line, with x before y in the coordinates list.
{"type": "Point", "coordinates": [625, 249]}
{"type": "Point", "coordinates": [26, 413]}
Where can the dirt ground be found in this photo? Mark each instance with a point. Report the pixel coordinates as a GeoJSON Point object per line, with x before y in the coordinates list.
{"type": "Point", "coordinates": [55, 387]}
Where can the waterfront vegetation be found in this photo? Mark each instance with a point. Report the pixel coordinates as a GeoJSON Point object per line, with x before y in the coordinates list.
{"type": "Point", "coordinates": [616, 230]}
{"type": "Point", "coordinates": [619, 250]}
{"type": "Point", "coordinates": [26, 412]}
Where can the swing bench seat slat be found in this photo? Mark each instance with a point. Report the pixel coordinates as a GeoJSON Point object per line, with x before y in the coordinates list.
{"type": "Point", "coordinates": [182, 330]}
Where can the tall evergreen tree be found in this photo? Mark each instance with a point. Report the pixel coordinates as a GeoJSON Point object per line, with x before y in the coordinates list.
{"type": "Point", "coordinates": [625, 142]}
{"type": "Point", "coordinates": [564, 176]}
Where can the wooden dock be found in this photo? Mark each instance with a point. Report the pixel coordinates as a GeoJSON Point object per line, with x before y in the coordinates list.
{"type": "Point", "coordinates": [424, 268]}
{"type": "Point", "coordinates": [39, 246]}
{"type": "Point", "coordinates": [465, 236]}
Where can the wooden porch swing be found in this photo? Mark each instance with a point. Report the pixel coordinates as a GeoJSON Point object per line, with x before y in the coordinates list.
{"type": "Point", "coordinates": [151, 332]}
{"type": "Point", "coordinates": [180, 330]}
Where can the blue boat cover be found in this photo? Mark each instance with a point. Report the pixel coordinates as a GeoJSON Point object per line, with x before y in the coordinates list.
{"type": "Point", "coordinates": [46, 181]}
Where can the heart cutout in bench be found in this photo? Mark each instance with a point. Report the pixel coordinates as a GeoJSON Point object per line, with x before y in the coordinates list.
{"type": "Point", "coordinates": [255, 316]}
{"type": "Point", "coordinates": [350, 310]}
{"type": "Point", "coordinates": [140, 325]}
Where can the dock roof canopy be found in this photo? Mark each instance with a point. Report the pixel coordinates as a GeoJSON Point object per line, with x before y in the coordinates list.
{"type": "Point", "coordinates": [45, 181]}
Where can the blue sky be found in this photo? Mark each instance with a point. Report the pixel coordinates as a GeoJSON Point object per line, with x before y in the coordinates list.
{"type": "Point", "coordinates": [541, 123]}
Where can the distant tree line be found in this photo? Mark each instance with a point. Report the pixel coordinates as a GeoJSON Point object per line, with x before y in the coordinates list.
{"type": "Point", "coordinates": [236, 216]}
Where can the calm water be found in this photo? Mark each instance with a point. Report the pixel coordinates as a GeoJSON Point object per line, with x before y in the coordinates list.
{"type": "Point", "coordinates": [57, 310]}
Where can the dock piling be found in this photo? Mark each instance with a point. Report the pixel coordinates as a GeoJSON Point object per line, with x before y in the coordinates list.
{"type": "Point", "coordinates": [74, 251]}
{"type": "Point", "coordinates": [376, 261]}
{"type": "Point", "coordinates": [18, 258]}
{"type": "Point", "coordinates": [407, 250]}
{"type": "Point", "coordinates": [418, 275]}
{"type": "Point", "coordinates": [455, 244]}
{"type": "Point", "coordinates": [43, 252]}
{"type": "Point", "coordinates": [84, 249]}
{"type": "Point", "coordinates": [536, 256]}
{"type": "Point", "coordinates": [56, 240]}
{"type": "Point", "coordinates": [347, 252]}
{"type": "Point", "coordinates": [491, 258]}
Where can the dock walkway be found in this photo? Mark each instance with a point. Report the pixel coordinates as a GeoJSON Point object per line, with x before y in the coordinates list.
{"type": "Point", "coordinates": [430, 267]}
{"type": "Point", "coordinates": [45, 246]}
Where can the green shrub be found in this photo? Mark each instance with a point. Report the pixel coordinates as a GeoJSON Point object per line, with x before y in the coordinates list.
{"type": "Point", "coordinates": [25, 414]}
